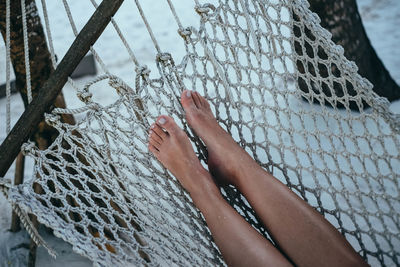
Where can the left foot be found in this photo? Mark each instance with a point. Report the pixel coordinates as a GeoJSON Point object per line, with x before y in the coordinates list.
{"type": "Point", "coordinates": [172, 148]}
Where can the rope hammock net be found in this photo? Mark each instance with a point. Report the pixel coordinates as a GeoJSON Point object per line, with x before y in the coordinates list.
{"type": "Point", "coordinates": [274, 80]}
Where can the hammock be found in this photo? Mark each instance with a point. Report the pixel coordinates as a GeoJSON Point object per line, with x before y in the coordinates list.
{"type": "Point", "coordinates": [274, 80]}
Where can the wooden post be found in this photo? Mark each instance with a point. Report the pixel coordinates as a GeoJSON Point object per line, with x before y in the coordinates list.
{"type": "Point", "coordinates": [32, 245]}
{"type": "Point", "coordinates": [29, 120]}
{"type": "Point", "coordinates": [18, 179]}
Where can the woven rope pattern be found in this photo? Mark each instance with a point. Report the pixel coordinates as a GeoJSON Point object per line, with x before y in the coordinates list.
{"type": "Point", "coordinates": [273, 78]}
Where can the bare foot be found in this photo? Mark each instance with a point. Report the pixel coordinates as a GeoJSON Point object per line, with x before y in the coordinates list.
{"type": "Point", "coordinates": [172, 148]}
{"type": "Point", "coordinates": [239, 243]}
{"type": "Point", "coordinates": [226, 159]}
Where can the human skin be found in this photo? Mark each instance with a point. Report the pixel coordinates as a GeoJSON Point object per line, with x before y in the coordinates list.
{"type": "Point", "coordinates": [239, 243]}
{"type": "Point", "coordinates": [301, 233]}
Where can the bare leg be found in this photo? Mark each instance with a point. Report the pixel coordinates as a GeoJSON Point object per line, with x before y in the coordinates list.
{"type": "Point", "coordinates": [300, 231]}
{"type": "Point", "coordinates": [239, 243]}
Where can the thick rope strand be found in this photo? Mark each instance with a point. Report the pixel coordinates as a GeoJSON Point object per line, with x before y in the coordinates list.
{"type": "Point", "coordinates": [26, 52]}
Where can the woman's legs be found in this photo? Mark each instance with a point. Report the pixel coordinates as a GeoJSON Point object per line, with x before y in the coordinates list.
{"type": "Point", "coordinates": [239, 243]}
{"type": "Point", "coordinates": [300, 231]}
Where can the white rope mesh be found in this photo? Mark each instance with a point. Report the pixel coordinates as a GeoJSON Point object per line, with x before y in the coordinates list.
{"type": "Point", "coordinates": [272, 75]}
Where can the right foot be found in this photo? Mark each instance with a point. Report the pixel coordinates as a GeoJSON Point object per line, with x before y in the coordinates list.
{"type": "Point", "coordinates": [226, 159]}
{"type": "Point", "coordinates": [171, 146]}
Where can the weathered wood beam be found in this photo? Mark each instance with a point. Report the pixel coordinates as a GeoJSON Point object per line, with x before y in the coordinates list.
{"type": "Point", "coordinates": [18, 179]}
{"type": "Point", "coordinates": [33, 114]}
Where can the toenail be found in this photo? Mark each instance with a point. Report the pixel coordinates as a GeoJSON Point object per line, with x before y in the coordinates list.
{"type": "Point", "coordinates": [162, 121]}
{"type": "Point", "coordinates": [188, 93]}
{"type": "Point", "coordinates": [152, 126]}
{"type": "Point", "coordinates": [150, 133]}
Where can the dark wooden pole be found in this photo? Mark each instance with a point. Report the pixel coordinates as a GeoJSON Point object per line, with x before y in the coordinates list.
{"type": "Point", "coordinates": [29, 120]}
{"type": "Point", "coordinates": [32, 245]}
{"type": "Point", "coordinates": [18, 179]}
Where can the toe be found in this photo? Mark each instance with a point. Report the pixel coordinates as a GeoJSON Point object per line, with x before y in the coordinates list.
{"type": "Point", "coordinates": [153, 142]}
{"type": "Point", "coordinates": [157, 130]}
{"type": "Point", "coordinates": [153, 149]}
{"type": "Point", "coordinates": [168, 124]}
{"type": "Point", "coordinates": [154, 138]}
{"type": "Point", "coordinates": [203, 102]}
{"type": "Point", "coordinates": [197, 100]}
{"type": "Point", "coordinates": [187, 100]}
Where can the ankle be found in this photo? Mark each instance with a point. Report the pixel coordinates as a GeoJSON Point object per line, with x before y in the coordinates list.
{"type": "Point", "coordinates": [244, 180]}
{"type": "Point", "coordinates": [201, 120]}
{"type": "Point", "coordinates": [243, 167]}
{"type": "Point", "coordinates": [205, 187]}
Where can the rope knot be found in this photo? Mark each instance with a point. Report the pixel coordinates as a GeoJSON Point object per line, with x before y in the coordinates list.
{"type": "Point", "coordinates": [84, 96]}
{"type": "Point", "coordinates": [164, 58]}
{"type": "Point", "coordinates": [352, 66]}
{"type": "Point", "coordinates": [338, 49]}
{"type": "Point", "coordinates": [203, 10]}
{"type": "Point", "coordinates": [115, 82]}
{"type": "Point", "coordinates": [118, 85]}
{"type": "Point", "coordinates": [28, 148]}
{"type": "Point", "coordinates": [143, 71]}
{"type": "Point", "coordinates": [185, 33]}
{"type": "Point", "coordinates": [51, 119]}
{"type": "Point", "coordinates": [364, 82]}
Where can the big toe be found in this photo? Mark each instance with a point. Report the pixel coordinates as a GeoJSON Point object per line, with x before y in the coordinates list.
{"type": "Point", "coordinates": [187, 100]}
{"type": "Point", "coordinates": [168, 124]}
